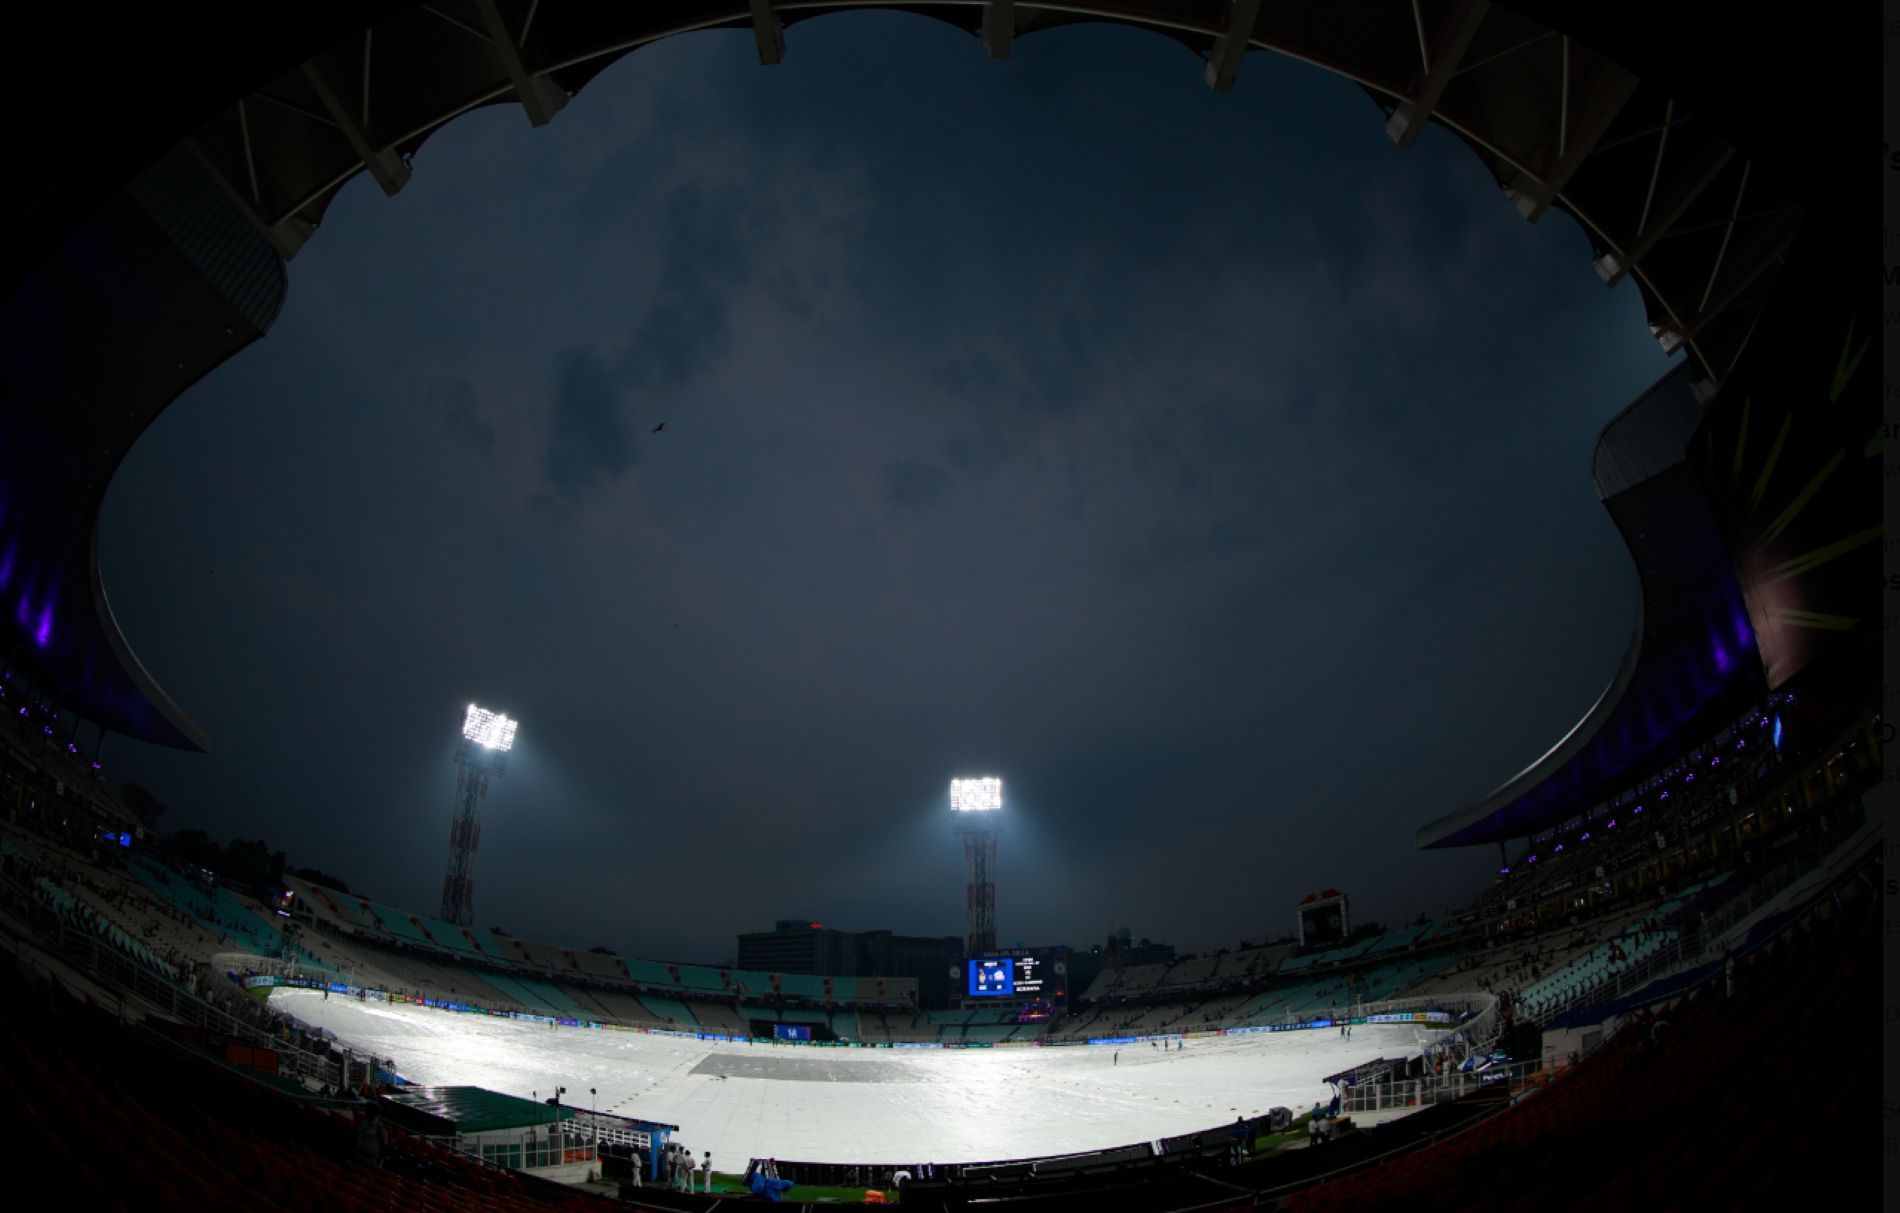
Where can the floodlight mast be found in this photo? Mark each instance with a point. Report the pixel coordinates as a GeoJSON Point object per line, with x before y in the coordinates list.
{"type": "Point", "coordinates": [976, 807]}
{"type": "Point", "coordinates": [487, 737]}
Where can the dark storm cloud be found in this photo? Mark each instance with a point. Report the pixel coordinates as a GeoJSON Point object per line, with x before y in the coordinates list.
{"type": "Point", "coordinates": [591, 438]}
{"type": "Point", "coordinates": [1237, 566]}
{"type": "Point", "coordinates": [706, 258]}
{"type": "Point", "coordinates": [913, 486]}
{"type": "Point", "coordinates": [464, 419]}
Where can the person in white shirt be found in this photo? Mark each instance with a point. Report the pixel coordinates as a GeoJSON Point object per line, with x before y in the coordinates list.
{"type": "Point", "coordinates": [706, 1167]}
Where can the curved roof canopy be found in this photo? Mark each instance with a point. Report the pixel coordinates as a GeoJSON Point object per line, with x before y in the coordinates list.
{"type": "Point", "coordinates": [1691, 664]}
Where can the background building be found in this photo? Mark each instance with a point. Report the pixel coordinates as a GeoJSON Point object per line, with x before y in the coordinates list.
{"type": "Point", "coordinates": [803, 946]}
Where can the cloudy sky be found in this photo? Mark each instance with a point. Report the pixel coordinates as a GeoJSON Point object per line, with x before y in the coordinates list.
{"type": "Point", "coordinates": [1207, 467]}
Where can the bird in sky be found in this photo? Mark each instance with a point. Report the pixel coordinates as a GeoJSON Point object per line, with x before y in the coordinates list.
{"type": "Point", "coordinates": [659, 427]}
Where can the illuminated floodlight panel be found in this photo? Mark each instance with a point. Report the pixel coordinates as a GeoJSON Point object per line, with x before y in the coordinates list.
{"type": "Point", "coordinates": [490, 730]}
{"type": "Point", "coordinates": [976, 795]}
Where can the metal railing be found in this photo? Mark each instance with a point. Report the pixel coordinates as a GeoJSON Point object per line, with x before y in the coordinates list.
{"type": "Point", "coordinates": [1429, 1089]}
{"type": "Point", "coordinates": [42, 928]}
{"type": "Point", "coordinates": [1695, 942]}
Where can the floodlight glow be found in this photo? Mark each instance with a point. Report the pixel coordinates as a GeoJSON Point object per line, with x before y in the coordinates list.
{"type": "Point", "coordinates": [490, 730]}
{"type": "Point", "coordinates": [976, 795]}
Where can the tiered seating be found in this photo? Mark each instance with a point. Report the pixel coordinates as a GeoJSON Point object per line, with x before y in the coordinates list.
{"type": "Point", "coordinates": [1193, 972]}
{"type": "Point", "coordinates": [552, 995]}
{"type": "Point", "coordinates": [697, 977]}
{"type": "Point", "coordinates": [1403, 938]}
{"type": "Point", "coordinates": [1590, 970]}
{"type": "Point", "coordinates": [405, 927]}
{"type": "Point", "coordinates": [446, 935]}
{"type": "Point", "coordinates": [545, 956]}
{"type": "Point", "coordinates": [446, 979]}
{"type": "Point", "coordinates": [668, 1010]}
{"type": "Point", "coordinates": [594, 964]}
{"type": "Point", "coordinates": [650, 973]}
{"type": "Point", "coordinates": [490, 947]}
{"type": "Point", "coordinates": [184, 1132]}
{"type": "Point", "coordinates": [591, 1002]}
{"type": "Point", "coordinates": [627, 1009]}
{"type": "Point", "coordinates": [917, 1027]}
{"type": "Point", "coordinates": [717, 1018]}
{"type": "Point", "coordinates": [215, 906]}
{"type": "Point", "coordinates": [337, 907]}
{"type": "Point", "coordinates": [1675, 1124]}
{"type": "Point", "coordinates": [519, 995]}
{"type": "Point", "coordinates": [799, 985]}
{"type": "Point", "coordinates": [845, 1026]}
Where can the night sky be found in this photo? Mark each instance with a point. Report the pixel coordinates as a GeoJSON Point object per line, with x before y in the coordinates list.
{"type": "Point", "coordinates": [1207, 467]}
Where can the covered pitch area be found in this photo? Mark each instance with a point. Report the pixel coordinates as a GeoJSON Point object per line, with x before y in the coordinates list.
{"type": "Point", "coordinates": [870, 1106]}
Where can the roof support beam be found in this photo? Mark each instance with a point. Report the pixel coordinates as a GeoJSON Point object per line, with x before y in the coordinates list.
{"type": "Point", "coordinates": [1661, 214]}
{"type": "Point", "coordinates": [540, 96]}
{"type": "Point", "coordinates": [1594, 93]}
{"type": "Point", "coordinates": [769, 31]}
{"type": "Point", "coordinates": [1439, 54]}
{"type": "Point", "coordinates": [384, 163]}
{"type": "Point", "coordinates": [999, 27]}
{"type": "Point", "coordinates": [1743, 266]}
{"type": "Point", "coordinates": [286, 235]}
{"type": "Point", "coordinates": [1223, 62]}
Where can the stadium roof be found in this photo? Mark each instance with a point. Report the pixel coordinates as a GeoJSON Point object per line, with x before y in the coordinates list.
{"type": "Point", "coordinates": [1691, 664]}
{"type": "Point", "coordinates": [204, 143]}
{"type": "Point", "coordinates": [476, 1109]}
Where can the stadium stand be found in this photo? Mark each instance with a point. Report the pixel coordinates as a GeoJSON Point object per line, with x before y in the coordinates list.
{"type": "Point", "coordinates": [594, 964]}
{"type": "Point", "coordinates": [187, 1132]}
{"type": "Point", "coordinates": [627, 1009]}
{"type": "Point", "coordinates": [669, 1011]}
{"type": "Point", "coordinates": [695, 977]}
{"type": "Point", "coordinates": [717, 1018]}
{"type": "Point", "coordinates": [845, 1025]}
{"type": "Point", "coordinates": [1677, 1099]}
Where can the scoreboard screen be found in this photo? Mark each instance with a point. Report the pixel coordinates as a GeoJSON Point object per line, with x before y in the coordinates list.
{"type": "Point", "coordinates": [1325, 920]}
{"type": "Point", "coordinates": [1022, 974]}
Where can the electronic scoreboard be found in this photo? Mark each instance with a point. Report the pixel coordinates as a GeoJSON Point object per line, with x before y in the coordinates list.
{"type": "Point", "coordinates": [1018, 974]}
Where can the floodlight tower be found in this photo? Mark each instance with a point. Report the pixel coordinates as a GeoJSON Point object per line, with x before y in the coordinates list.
{"type": "Point", "coordinates": [976, 807]}
{"type": "Point", "coordinates": [483, 752]}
